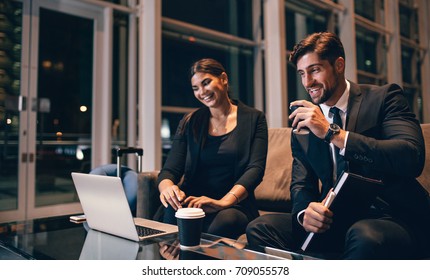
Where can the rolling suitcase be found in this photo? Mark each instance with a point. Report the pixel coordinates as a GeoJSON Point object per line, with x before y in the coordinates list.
{"type": "Point", "coordinates": [128, 176]}
{"type": "Point", "coordinates": [128, 150]}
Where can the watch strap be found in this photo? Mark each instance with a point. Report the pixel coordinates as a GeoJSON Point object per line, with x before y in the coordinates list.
{"type": "Point", "coordinates": [333, 129]}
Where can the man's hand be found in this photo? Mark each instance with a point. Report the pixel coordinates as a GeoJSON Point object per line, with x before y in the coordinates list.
{"type": "Point", "coordinates": [310, 116]}
{"type": "Point", "coordinates": [317, 218]}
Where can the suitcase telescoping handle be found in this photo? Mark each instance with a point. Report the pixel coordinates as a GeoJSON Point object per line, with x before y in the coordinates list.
{"type": "Point", "coordinates": [128, 150]}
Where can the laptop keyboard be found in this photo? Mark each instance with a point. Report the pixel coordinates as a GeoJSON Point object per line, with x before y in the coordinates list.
{"type": "Point", "coordinates": [145, 231]}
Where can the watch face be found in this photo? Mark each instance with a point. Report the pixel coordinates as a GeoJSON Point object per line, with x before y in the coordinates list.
{"type": "Point", "coordinates": [334, 127]}
{"type": "Point", "coordinates": [332, 130]}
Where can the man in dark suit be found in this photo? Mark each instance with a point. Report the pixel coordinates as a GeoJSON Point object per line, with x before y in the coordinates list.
{"type": "Point", "coordinates": [372, 133]}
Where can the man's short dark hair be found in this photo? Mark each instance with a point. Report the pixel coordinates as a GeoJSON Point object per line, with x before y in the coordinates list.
{"type": "Point", "coordinates": [326, 44]}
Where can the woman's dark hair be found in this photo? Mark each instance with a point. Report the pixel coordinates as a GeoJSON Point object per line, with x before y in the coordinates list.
{"type": "Point", "coordinates": [207, 65]}
{"type": "Point", "coordinates": [326, 44]}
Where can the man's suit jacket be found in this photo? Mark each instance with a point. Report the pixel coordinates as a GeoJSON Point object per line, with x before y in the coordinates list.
{"type": "Point", "coordinates": [385, 142]}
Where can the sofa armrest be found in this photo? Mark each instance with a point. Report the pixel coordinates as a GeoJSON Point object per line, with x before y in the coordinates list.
{"type": "Point", "coordinates": [148, 197]}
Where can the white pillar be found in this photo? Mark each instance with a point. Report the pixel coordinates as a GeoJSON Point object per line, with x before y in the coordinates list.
{"type": "Point", "coordinates": [394, 52]}
{"type": "Point", "coordinates": [102, 97]}
{"type": "Point", "coordinates": [275, 63]}
{"type": "Point", "coordinates": [149, 92]}
{"type": "Point", "coordinates": [347, 36]}
{"type": "Point", "coordinates": [132, 86]}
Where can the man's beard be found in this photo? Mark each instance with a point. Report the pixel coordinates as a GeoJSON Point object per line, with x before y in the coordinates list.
{"type": "Point", "coordinates": [327, 93]}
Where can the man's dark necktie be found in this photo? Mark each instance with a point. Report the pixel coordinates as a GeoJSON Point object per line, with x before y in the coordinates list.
{"type": "Point", "coordinates": [340, 161]}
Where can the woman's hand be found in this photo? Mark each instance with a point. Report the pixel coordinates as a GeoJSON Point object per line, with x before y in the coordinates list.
{"type": "Point", "coordinates": [172, 195]}
{"type": "Point", "coordinates": [209, 205]}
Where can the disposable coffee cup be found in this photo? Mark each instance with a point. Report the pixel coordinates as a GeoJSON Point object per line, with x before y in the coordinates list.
{"type": "Point", "coordinates": [302, 131]}
{"type": "Point", "coordinates": [190, 221]}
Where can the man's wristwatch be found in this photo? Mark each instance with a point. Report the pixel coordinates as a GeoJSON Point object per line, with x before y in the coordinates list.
{"type": "Point", "coordinates": [333, 129]}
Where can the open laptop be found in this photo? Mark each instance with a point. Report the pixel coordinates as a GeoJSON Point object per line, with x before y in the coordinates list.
{"type": "Point", "coordinates": [106, 209]}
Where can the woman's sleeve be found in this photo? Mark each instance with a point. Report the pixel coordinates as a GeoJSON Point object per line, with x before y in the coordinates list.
{"type": "Point", "coordinates": [254, 171]}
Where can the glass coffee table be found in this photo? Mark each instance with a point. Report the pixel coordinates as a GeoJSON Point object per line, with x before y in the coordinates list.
{"type": "Point", "coordinates": [58, 238]}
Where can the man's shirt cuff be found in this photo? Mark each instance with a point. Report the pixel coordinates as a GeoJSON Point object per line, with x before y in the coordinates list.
{"type": "Point", "coordinates": [300, 217]}
{"type": "Point", "coordinates": [342, 152]}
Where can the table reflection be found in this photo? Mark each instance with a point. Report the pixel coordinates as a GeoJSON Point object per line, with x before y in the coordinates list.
{"type": "Point", "coordinates": [102, 246]}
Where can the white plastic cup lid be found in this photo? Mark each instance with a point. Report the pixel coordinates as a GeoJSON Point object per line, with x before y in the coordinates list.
{"type": "Point", "coordinates": [190, 213]}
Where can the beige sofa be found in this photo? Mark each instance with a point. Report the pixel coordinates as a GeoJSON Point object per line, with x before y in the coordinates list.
{"type": "Point", "coordinates": [273, 194]}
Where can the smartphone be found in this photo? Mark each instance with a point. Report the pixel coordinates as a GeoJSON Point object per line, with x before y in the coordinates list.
{"type": "Point", "coordinates": [78, 218]}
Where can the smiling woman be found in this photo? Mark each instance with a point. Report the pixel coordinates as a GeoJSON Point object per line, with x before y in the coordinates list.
{"type": "Point", "coordinates": [220, 152]}
{"type": "Point", "coordinates": [210, 85]}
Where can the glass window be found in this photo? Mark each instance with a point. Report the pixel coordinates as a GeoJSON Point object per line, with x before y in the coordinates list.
{"type": "Point", "coordinates": [169, 124]}
{"type": "Point", "coordinates": [372, 10]}
{"type": "Point", "coordinates": [178, 55]}
{"type": "Point", "coordinates": [301, 20]}
{"type": "Point", "coordinates": [413, 97]}
{"type": "Point", "coordinates": [411, 74]}
{"type": "Point", "coordinates": [407, 55]}
{"type": "Point", "coordinates": [409, 94]}
{"type": "Point", "coordinates": [408, 22]}
{"type": "Point", "coordinates": [10, 72]}
{"type": "Point", "coordinates": [371, 57]}
{"type": "Point", "coordinates": [365, 8]}
{"type": "Point", "coordinates": [418, 68]}
{"type": "Point", "coordinates": [228, 16]}
{"type": "Point", "coordinates": [410, 54]}
{"type": "Point", "coordinates": [65, 103]}
{"type": "Point", "coordinates": [405, 17]}
{"type": "Point", "coordinates": [364, 79]}
{"type": "Point", "coordinates": [59, 67]}
{"type": "Point", "coordinates": [367, 43]}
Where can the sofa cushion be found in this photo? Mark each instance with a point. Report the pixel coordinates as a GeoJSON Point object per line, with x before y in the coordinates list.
{"type": "Point", "coordinates": [424, 179]}
{"type": "Point", "coordinates": [273, 193]}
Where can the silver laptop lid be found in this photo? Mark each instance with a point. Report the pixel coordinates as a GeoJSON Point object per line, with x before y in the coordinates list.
{"type": "Point", "coordinates": [105, 204]}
